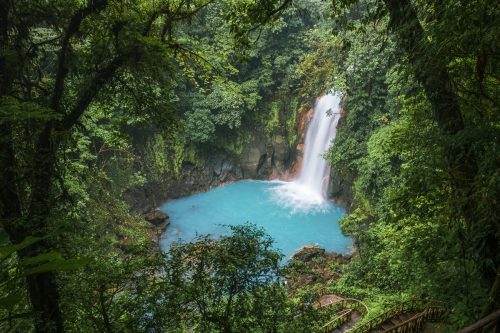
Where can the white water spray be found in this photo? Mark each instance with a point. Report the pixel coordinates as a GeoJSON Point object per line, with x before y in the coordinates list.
{"type": "Point", "coordinates": [308, 191]}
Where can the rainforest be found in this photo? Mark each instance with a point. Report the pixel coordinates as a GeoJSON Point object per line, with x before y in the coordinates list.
{"type": "Point", "coordinates": [234, 166]}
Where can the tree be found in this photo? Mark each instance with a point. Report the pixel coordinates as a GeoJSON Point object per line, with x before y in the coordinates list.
{"type": "Point", "coordinates": [231, 284]}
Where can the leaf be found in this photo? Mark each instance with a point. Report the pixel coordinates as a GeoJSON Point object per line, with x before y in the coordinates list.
{"type": "Point", "coordinates": [59, 265]}
{"type": "Point", "coordinates": [6, 251]}
{"type": "Point", "coordinates": [49, 256]}
{"type": "Point", "coordinates": [12, 110]}
{"type": "Point", "coordinates": [9, 302]}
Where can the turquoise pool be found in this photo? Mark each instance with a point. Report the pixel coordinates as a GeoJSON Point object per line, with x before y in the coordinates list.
{"type": "Point", "coordinates": [290, 221]}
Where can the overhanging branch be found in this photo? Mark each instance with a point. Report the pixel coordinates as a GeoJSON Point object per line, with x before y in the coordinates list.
{"type": "Point", "coordinates": [93, 6]}
{"type": "Point", "coordinates": [101, 78]}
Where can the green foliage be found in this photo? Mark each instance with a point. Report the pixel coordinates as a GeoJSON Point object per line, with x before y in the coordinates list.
{"type": "Point", "coordinates": [83, 84]}
{"type": "Point", "coordinates": [318, 69]}
{"type": "Point", "coordinates": [291, 122]}
{"type": "Point", "coordinates": [250, 97]}
{"type": "Point", "coordinates": [13, 110]}
{"type": "Point", "coordinates": [413, 236]}
{"type": "Point", "coordinates": [229, 284]}
{"type": "Point", "coordinates": [100, 97]}
{"type": "Point", "coordinates": [273, 122]}
{"type": "Point", "coordinates": [199, 125]}
{"type": "Point", "coordinates": [114, 293]}
{"type": "Point", "coordinates": [14, 309]}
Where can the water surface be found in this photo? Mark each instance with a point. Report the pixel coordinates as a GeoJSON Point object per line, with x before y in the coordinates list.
{"type": "Point", "coordinates": [258, 202]}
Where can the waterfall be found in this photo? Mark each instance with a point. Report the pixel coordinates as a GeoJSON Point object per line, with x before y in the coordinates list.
{"type": "Point", "coordinates": [308, 191]}
{"type": "Point", "coordinates": [315, 170]}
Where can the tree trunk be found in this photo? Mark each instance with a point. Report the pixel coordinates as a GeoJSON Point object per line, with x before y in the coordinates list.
{"type": "Point", "coordinates": [493, 297]}
{"type": "Point", "coordinates": [43, 290]}
{"type": "Point", "coordinates": [432, 74]}
{"type": "Point", "coordinates": [42, 287]}
{"type": "Point", "coordinates": [104, 311]}
{"type": "Point", "coordinates": [44, 298]}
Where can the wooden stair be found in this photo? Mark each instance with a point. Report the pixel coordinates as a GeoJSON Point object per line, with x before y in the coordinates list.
{"type": "Point", "coordinates": [394, 322]}
{"type": "Point", "coordinates": [355, 317]}
{"type": "Point", "coordinates": [406, 317]}
{"type": "Point", "coordinates": [344, 312]}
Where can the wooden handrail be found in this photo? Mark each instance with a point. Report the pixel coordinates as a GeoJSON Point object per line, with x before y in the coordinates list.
{"type": "Point", "coordinates": [414, 304]}
{"type": "Point", "coordinates": [482, 322]}
{"type": "Point", "coordinates": [422, 315]}
{"type": "Point", "coordinates": [345, 302]}
{"type": "Point", "coordinates": [339, 320]}
{"type": "Point", "coordinates": [348, 305]}
{"type": "Point", "coordinates": [364, 310]}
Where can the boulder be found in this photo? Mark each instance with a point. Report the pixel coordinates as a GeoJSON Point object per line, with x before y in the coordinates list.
{"type": "Point", "coordinates": [157, 218]}
{"type": "Point", "coordinates": [339, 258]}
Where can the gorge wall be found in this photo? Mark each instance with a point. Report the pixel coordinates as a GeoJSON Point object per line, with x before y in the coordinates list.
{"type": "Point", "coordinates": [262, 158]}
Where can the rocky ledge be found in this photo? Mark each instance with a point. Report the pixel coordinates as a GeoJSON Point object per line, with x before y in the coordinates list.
{"type": "Point", "coordinates": [158, 219]}
{"type": "Point", "coordinates": [313, 264]}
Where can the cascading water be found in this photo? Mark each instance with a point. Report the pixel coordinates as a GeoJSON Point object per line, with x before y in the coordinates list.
{"type": "Point", "coordinates": [322, 129]}
{"type": "Point", "coordinates": [308, 191]}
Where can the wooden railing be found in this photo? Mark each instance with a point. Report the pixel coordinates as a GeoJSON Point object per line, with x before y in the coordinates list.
{"type": "Point", "coordinates": [355, 304]}
{"type": "Point", "coordinates": [350, 303]}
{"type": "Point", "coordinates": [417, 322]}
{"type": "Point", "coordinates": [342, 317]}
{"type": "Point", "coordinates": [484, 322]}
{"type": "Point", "coordinates": [341, 312]}
{"type": "Point", "coordinates": [428, 311]}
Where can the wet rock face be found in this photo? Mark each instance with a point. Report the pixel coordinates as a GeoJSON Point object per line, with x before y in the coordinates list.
{"type": "Point", "coordinates": [281, 154]}
{"type": "Point", "coordinates": [224, 170]}
{"type": "Point", "coordinates": [340, 189]}
{"type": "Point", "coordinates": [261, 159]}
{"type": "Point", "coordinates": [192, 179]}
{"type": "Point", "coordinates": [281, 151]}
{"type": "Point", "coordinates": [295, 158]}
{"type": "Point", "coordinates": [250, 161]}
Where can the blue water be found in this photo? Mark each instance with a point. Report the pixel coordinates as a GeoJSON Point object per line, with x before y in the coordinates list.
{"type": "Point", "coordinates": [255, 202]}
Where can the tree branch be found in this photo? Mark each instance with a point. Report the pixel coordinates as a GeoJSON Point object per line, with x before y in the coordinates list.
{"type": "Point", "coordinates": [495, 316]}
{"type": "Point", "coordinates": [93, 6]}
{"type": "Point", "coordinates": [176, 15]}
{"type": "Point", "coordinates": [270, 15]}
{"type": "Point", "coordinates": [90, 92]}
